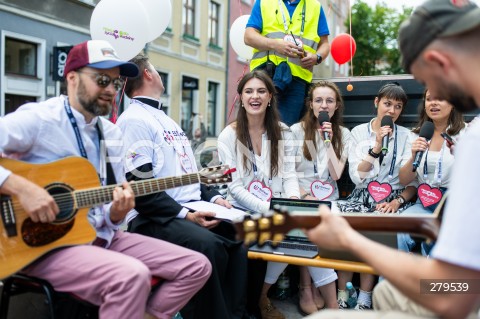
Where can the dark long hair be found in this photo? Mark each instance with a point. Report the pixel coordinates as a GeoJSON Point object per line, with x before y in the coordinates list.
{"type": "Point", "coordinates": [456, 122]}
{"type": "Point", "coordinates": [309, 121]}
{"type": "Point", "coordinates": [271, 121]}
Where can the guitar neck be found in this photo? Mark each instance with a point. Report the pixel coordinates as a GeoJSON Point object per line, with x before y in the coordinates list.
{"type": "Point", "coordinates": [102, 195]}
{"type": "Point", "coordinates": [427, 225]}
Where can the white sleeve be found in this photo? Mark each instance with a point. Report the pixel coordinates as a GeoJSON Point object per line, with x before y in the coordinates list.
{"type": "Point", "coordinates": [357, 153]}
{"type": "Point", "coordinates": [289, 174]}
{"type": "Point", "coordinates": [141, 146]}
{"type": "Point", "coordinates": [227, 153]}
{"type": "Point", "coordinates": [459, 236]}
{"type": "Point", "coordinates": [19, 130]}
{"type": "Point", "coordinates": [3, 175]}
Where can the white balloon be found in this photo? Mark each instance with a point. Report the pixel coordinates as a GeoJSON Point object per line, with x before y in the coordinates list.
{"type": "Point", "coordinates": [237, 33]}
{"type": "Point", "coordinates": [122, 23]}
{"type": "Point", "coordinates": [159, 13]}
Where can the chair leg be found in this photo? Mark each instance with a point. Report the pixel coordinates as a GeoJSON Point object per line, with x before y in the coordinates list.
{"type": "Point", "coordinates": [5, 300]}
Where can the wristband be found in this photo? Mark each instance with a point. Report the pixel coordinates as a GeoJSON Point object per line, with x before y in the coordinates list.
{"type": "Point", "coordinates": [373, 154]}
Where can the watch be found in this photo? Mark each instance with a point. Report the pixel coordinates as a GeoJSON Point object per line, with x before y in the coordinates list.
{"type": "Point", "coordinates": [319, 59]}
{"type": "Point", "coordinates": [401, 200]}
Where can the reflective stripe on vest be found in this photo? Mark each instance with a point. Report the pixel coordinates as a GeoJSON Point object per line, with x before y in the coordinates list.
{"type": "Point", "coordinates": [273, 28]}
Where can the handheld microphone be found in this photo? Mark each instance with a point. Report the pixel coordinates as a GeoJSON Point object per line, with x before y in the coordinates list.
{"type": "Point", "coordinates": [386, 121]}
{"type": "Point", "coordinates": [324, 117]}
{"type": "Point", "coordinates": [426, 131]}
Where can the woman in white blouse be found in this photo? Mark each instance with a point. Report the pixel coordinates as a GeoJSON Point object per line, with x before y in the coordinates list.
{"type": "Point", "coordinates": [433, 173]}
{"type": "Point", "coordinates": [377, 185]}
{"type": "Point", "coordinates": [261, 148]}
{"type": "Point", "coordinates": [320, 165]}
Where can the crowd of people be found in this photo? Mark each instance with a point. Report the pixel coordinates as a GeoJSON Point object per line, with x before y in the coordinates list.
{"type": "Point", "coordinates": [200, 262]}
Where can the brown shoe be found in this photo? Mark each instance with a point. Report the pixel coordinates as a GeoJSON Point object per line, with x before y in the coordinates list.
{"type": "Point", "coordinates": [268, 310]}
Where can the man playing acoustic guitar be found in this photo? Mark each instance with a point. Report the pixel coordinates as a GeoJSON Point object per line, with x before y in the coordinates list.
{"type": "Point", "coordinates": [115, 271]}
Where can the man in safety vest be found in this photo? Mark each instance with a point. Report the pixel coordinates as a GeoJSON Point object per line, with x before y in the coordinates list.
{"type": "Point", "coordinates": [289, 37]}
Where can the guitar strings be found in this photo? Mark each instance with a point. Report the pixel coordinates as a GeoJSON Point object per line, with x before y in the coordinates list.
{"type": "Point", "coordinates": [65, 200]}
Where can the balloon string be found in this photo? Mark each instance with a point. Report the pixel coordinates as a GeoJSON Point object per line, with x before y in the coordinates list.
{"type": "Point", "coordinates": [236, 96]}
{"type": "Point", "coordinates": [351, 39]}
{"type": "Point", "coordinates": [240, 6]}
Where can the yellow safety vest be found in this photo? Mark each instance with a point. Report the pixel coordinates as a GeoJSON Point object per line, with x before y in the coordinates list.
{"type": "Point", "coordinates": [273, 27]}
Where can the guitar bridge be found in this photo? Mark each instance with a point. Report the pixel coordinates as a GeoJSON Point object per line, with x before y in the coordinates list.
{"type": "Point", "coordinates": [8, 216]}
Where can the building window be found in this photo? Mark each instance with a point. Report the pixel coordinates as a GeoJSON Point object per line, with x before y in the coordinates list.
{"type": "Point", "coordinates": [20, 57]}
{"type": "Point", "coordinates": [188, 18]}
{"type": "Point", "coordinates": [213, 23]}
{"type": "Point", "coordinates": [13, 101]}
{"type": "Point", "coordinates": [212, 108]}
{"type": "Point", "coordinates": [187, 109]}
{"type": "Point", "coordinates": [164, 77]}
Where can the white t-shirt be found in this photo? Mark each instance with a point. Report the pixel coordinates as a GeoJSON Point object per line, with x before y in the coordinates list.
{"type": "Point", "coordinates": [305, 168]}
{"type": "Point", "coordinates": [153, 137]}
{"type": "Point", "coordinates": [3, 175]}
{"type": "Point", "coordinates": [363, 138]}
{"type": "Point", "coordinates": [459, 239]}
{"type": "Point", "coordinates": [285, 184]}
{"type": "Point", "coordinates": [433, 165]}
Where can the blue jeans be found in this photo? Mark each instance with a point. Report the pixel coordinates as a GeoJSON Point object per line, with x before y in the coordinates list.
{"type": "Point", "coordinates": [405, 241]}
{"type": "Point", "coordinates": [291, 101]}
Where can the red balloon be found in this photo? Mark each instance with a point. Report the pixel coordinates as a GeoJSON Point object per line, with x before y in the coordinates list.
{"type": "Point", "coordinates": [343, 48]}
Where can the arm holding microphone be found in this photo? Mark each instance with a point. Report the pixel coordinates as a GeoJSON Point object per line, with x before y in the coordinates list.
{"type": "Point", "coordinates": [374, 153]}
{"type": "Point", "coordinates": [426, 132]}
{"type": "Point", "coordinates": [406, 174]}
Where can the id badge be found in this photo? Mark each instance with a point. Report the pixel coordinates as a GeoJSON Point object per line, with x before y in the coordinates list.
{"type": "Point", "coordinates": [378, 191]}
{"type": "Point", "coordinates": [260, 190]}
{"type": "Point", "coordinates": [321, 190]}
{"type": "Point", "coordinates": [186, 163]}
{"type": "Point", "coordinates": [429, 195]}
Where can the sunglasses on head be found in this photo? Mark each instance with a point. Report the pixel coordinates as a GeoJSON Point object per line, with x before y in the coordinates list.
{"type": "Point", "coordinates": [104, 80]}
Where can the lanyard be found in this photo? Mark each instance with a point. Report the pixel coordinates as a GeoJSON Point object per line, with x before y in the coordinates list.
{"type": "Point", "coordinates": [81, 146]}
{"type": "Point", "coordinates": [315, 170]}
{"type": "Point", "coordinates": [285, 25]}
{"type": "Point", "coordinates": [394, 156]}
{"type": "Point", "coordinates": [438, 167]}
{"type": "Point", "coordinates": [254, 162]}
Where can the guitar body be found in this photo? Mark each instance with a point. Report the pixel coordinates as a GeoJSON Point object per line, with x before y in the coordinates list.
{"type": "Point", "coordinates": [21, 240]}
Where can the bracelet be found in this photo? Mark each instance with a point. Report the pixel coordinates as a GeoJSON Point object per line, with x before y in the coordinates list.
{"type": "Point", "coordinates": [373, 154]}
{"type": "Point", "coordinates": [304, 195]}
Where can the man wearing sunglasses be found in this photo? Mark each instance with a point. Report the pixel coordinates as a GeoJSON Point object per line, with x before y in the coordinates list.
{"type": "Point", "coordinates": [114, 272]}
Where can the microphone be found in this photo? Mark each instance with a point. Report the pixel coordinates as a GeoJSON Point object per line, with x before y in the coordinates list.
{"type": "Point", "coordinates": [324, 117]}
{"type": "Point", "coordinates": [426, 131]}
{"type": "Point", "coordinates": [386, 121]}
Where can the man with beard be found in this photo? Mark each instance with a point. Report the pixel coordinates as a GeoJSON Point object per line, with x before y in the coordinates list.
{"type": "Point", "coordinates": [115, 271]}
{"type": "Point", "coordinates": [439, 44]}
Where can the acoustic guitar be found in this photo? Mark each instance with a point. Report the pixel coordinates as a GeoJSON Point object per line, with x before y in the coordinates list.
{"type": "Point", "coordinates": [74, 184]}
{"type": "Point", "coordinates": [272, 227]}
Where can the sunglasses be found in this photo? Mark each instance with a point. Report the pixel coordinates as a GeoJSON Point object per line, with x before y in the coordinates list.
{"type": "Point", "coordinates": [104, 80]}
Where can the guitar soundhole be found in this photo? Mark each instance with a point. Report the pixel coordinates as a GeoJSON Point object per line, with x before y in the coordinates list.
{"type": "Point", "coordinates": [63, 196]}
{"type": "Point", "coordinates": [40, 234]}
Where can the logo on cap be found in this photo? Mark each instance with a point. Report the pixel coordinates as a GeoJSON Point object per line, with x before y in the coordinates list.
{"type": "Point", "coordinates": [108, 52]}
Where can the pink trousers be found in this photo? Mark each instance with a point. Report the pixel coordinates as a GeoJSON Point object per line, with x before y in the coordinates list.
{"type": "Point", "coordinates": [118, 278]}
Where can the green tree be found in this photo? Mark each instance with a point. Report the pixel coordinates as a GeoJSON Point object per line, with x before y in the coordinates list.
{"type": "Point", "coordinates": [375, 32]}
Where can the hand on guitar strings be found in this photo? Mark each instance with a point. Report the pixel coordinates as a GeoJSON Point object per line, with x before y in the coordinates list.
{"type": "Point", "coordinates": [123, 202]}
